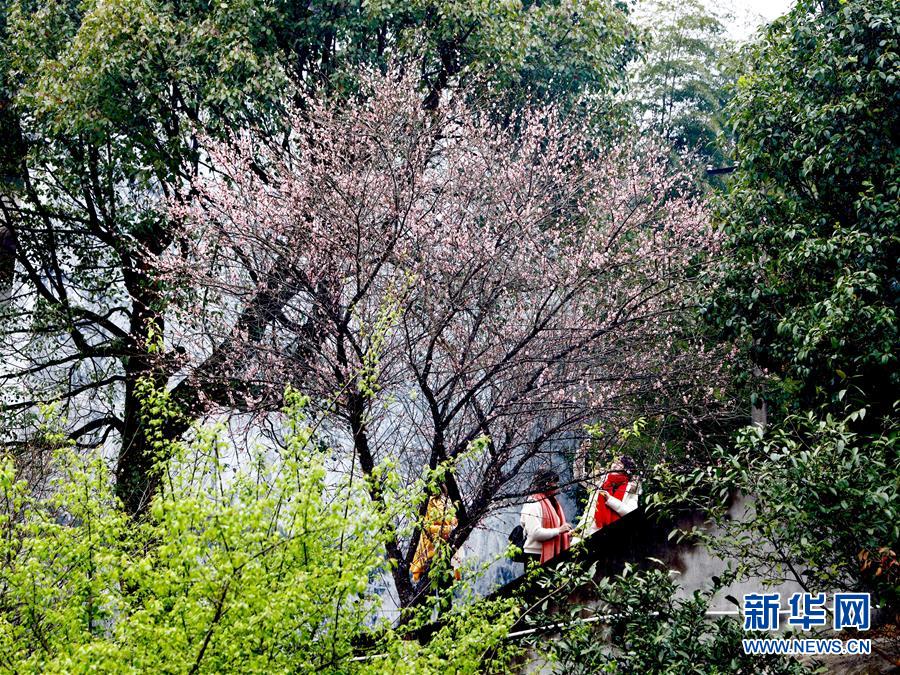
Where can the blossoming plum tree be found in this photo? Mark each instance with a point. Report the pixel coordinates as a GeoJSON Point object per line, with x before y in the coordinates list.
{"type": "Point", "coordinates": [432, 280]}
{"type": "Point", "coordinates": [101, 107]}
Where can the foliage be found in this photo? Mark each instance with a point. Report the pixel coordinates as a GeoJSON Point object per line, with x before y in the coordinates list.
{"type": "Point", "coordinates": [644, 626]}
{"type": "Point", "coordinates": [255, 567]}
{"type": "Point", "coordinates": [519, 53]}
{"type": "Point", "coordinates": [811, 289]}
{"type": "Point", "coordinates": [681, 83]}
{"type": "Point", "coordinates": [822, 500]}
{"type": "Point", "coordinates": [809, 293]}
{"type": "Point", "coordinates": [107, 99]}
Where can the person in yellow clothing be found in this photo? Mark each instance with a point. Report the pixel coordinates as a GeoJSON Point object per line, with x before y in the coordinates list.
{"type": "Point", "coordinates": [440, 520]}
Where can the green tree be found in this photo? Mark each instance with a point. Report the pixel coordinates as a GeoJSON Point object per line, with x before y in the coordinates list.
{"type": "Point", "coordinates": [681, 84]}
{"type": "Point", "coordinates": [517, 53]}
{"type": "Point", "coordinates": [809, 293]}
{"type": "Point", "coordinates": [810, 288]}
{"type": "Point", "coordinates": [109, 99]}
{"type": "Point", "coordinates": [822, 499]}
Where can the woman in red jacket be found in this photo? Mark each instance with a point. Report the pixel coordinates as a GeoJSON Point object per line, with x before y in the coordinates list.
{"type": "Point", "coordinates": [616, 495]}
{"type": "Point", "coordinates": [613, 493]}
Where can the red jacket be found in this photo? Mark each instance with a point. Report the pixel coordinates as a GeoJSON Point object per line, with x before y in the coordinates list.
{"type": "Point", "coordinates": [615, 484]}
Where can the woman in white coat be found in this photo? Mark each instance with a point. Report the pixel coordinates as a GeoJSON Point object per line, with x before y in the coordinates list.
{"type": "Point", "coordinates": [544, 521]}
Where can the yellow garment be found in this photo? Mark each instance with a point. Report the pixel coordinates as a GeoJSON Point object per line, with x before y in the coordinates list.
{"type": "Point", "coordinates": [440, 519]}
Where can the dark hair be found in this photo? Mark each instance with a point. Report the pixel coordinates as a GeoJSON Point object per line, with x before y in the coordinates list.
{"type": "Point", "coordinates": [629, 464]}
{"type": "Point", "coordinates": [544, 479]}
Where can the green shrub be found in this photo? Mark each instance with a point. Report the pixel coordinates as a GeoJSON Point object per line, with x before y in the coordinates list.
{"type": "Point", "coordinates": [259, 568]}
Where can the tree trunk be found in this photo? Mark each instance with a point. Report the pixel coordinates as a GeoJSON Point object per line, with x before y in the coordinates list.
{"type": "Point", "coordinates": [7, 261]}
{"type": "Point", "coordinates": [135, 479]}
